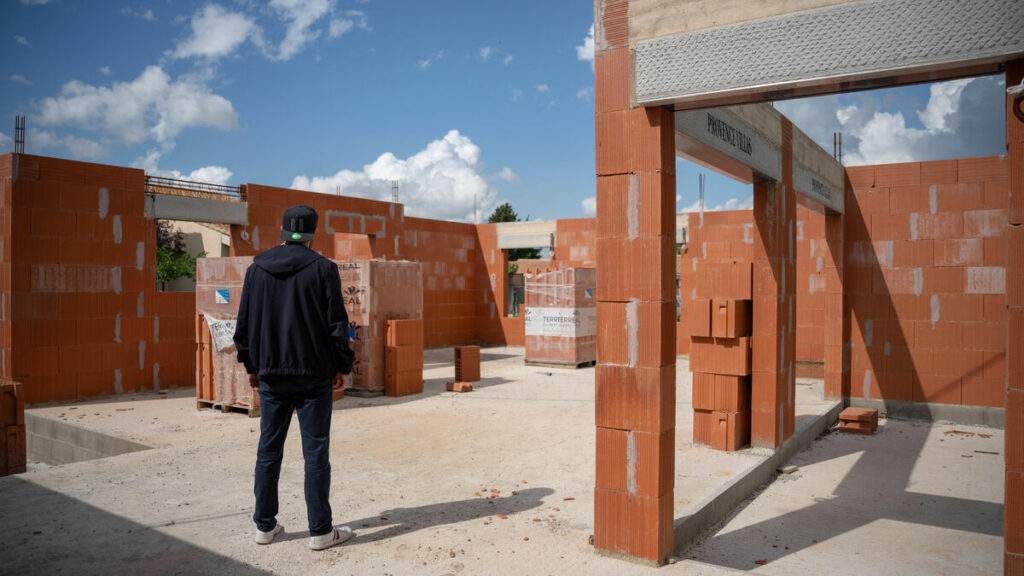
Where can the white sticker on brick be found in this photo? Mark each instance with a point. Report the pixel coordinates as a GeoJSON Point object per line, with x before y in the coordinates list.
{"type": "Point", "coordinates": [564, 322]}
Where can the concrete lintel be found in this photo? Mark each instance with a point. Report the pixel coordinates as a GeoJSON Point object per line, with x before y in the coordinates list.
{"type": "Point", "coordinates": [168, 207]}
{"type": "Point", "coordinates": [745, 143]}
{"type": "Point", "coordinates": [966, 415]}
{"type": "Point", "coordinates": [717, 507]}
{"type": "Point", "coordinates": [507, 241]}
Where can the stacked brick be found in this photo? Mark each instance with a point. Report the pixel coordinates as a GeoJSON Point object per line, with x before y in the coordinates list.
{"type": "Point", "coordinates": [467, 369]}
{"type": "Point", "coordinates": [926, 282]}
{"type": "Point", "coordinates": [220, 379]}
{"type": "Point", "coordinates": [403, 362]}
{"type": "Point", "coordinates": [720, 355]}
{"type": "Point", "coordinates": [12, 428]}
{"type": "Point", "coordinates": [858, 420]}
{"type": "Point", "coordinates": [561, 317]}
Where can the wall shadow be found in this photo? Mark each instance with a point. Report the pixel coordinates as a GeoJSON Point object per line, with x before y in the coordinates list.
{"type": "Point", "coordinates": [61, 534]}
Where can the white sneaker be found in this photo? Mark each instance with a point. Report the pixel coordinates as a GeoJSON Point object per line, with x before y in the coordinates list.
{"type": "Point", "coordinates": [268, 537]}
{"type": "Point", "coordinates": [333, 538]}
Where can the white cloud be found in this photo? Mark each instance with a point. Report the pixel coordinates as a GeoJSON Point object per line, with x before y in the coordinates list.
{"type": "Point", "coordinates": [730, 204]}
{"type": "Point", "coordinates": [507, 175]}
{"type": "Point", "coordinates": [105, 70]}
{"type": "Point", "coordinates": [151, 107]}
{"type": "Point", "coordinates": [585, 51]}
{"type": "Point", "coordinates": [487, 51]}
{"type": "Point", "coordinates": [301, 15]}
{"type": "Point", "coordinates": [589, 206]}
{"type": "Point", "coordinates": [216, 33]}
{"type": "Point", "coordinates": [508, 59]}
{"type": "Point", "coordinates": [79, 148]}
{"type": "Point", "coordinates": [208, 174]}
{"type": "Point", "coordinates": [35, 2]}
{"type": "Point", "coordinates": [585, 93]}
{"type": "Point", "coordinates": [146, 14]}
{"type": "Point", "coordinates": [6, 143]}
{"type": "Point", "coordinates": [352, 19]}
{"type": "Point", "coordinates": [543, 88]}
{"type": "Point", "coordinates": [957, 121]}
{"type": "Point", "coordinates": [19, 79]}
{"type": "Point", "coordinates": [440, 181]}
{"type": "Point", "coordinates": [429, 60]}
{"type": "Point", "coordinates": [21, 40]}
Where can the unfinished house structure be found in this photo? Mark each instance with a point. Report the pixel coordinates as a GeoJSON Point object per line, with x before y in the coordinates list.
{"type": "Point", "coordinates": [901, 285]}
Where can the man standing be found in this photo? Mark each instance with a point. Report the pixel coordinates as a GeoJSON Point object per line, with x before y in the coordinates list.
{"type": "Point", "coordinates": [292, 337]}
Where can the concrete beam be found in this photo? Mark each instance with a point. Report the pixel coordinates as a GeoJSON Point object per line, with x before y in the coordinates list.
{"type": "Point", "coordinates": [835, 48]}
{"type": "Point", "coordinates": [533, 234]}
{"type": "Point", "coordinates": [745, 143]}
{"type": "Point", "coordinates": [168, 207]}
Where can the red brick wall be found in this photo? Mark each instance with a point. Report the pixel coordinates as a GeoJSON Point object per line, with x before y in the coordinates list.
{"type": "Point", "coordinates": [575, 243]}
{"type": "Point", "coordinates": [492, 275]}
{"type": "Point", "coordinates": [86, 318]}
{"type": "Point", "coordinates": [925, 281]}
{"type": "Point", "coordinates": [447, 252]}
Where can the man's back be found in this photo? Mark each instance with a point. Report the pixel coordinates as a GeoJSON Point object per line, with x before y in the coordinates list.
{"type": "Point", "coordinates": [291, 319]}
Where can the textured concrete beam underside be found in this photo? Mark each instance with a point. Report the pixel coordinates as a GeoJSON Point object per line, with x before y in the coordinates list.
{"type": "Point", "coordinates": [838, 48]}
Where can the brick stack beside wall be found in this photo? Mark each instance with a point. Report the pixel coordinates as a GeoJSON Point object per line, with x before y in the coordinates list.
{"type": "Point", "coordinates": [925, 281]}
{"type": "Point", "coordinates": [12, 428]}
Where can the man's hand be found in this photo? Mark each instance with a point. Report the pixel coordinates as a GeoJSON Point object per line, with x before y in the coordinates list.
{"type": "Point", "coordinates": [254, 382]}
{"type": "Point", "coordinates": [339, 381]}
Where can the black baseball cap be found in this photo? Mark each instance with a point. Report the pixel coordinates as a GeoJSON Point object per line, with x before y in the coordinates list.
{"type": "Point", "coordinates": [298, 224]}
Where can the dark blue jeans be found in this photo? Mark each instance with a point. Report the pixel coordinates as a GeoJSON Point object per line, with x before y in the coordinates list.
{"type": "Point", "coordinates": [311, 399]}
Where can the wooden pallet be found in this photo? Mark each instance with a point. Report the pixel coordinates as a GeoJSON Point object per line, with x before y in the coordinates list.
{"type": "Point", "coordinates": [567, 365]}
{"type": "Point", "coordinates": [251, 411]}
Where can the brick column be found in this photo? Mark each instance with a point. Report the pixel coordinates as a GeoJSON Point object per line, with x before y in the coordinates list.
{"type": "Point", "coordinates": [774, 341]}
{"type": "Point", "coordinates": [1013, 532]}
{"type": "Point", "coordinates": [635, 388]}
{"type": "Point", "coordinates": [835, 314]}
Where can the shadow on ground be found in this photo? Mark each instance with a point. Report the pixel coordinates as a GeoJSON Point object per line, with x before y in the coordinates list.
{"type": "Point", "coordinates": [65, 535]}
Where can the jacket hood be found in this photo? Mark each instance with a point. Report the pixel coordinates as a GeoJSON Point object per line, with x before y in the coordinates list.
{"type": "Point", "coordinates": [286, 259]}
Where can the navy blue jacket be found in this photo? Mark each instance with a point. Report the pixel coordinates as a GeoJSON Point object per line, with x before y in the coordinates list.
{"type": "Point", "coordinates": [291, 318]}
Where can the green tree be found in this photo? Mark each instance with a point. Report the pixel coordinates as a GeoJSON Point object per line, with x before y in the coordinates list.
{"type": "Point", "coordinates": [172, 260]}
{"type": "Point", "coordinates": [505, 213]}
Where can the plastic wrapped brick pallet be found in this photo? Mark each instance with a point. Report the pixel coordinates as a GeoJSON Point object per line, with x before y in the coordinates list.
{"type": "Point", "coordinates": [561, 317]}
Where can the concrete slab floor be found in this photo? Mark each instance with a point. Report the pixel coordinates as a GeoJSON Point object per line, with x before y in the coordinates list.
{"type": "Point", "coordinates": [411, 475]}
{"type": "Point", "coordinates": [915, 498]}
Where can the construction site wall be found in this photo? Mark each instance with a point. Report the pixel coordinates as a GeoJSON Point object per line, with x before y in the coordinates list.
{"type": "Point", "coordinates": [80, 299]}
{"type": "Point", "coordinates": [925, 281]}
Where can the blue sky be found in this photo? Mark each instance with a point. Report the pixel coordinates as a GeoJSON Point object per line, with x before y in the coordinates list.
{"type": "Point", "coordinates": [455, 100]}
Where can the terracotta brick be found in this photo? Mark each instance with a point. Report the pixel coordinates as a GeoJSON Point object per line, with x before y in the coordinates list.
{"type": "Point", "coordinates": [455, 386]}
{"type": "Point", "coordinates": [635, 398]}
{"type": "Point", "coordinates": [731, 318]}
{"type": "Point", "coordinates": [938, 226]}
{"type": "Point", "coordinates": [986, 280]}
{"type": "Point", "coordinates": [656, 334]}
{"type": "Point", "coordinates": [724, 280]}
{"type": "Point", "coordinates": [632, 205]}
{"type": "Point", "coordinates": [890, 227]}
{"type": "Point", "coordinates": [731, 393]}
{"type": "Point", "coordinates": [995, 251]}
{"type": "Point", "coordinates": [996, 194]}
{"type": "Point", "coordinates": [12, 404]}
{"type": "Point", "coordinates": [699, 317]}
{"type": "Point", "coordinates": [861, 176]}
{"type": "Point", "coordinates": [943, 280]}
{"type": "Point", "coordinates": [872, 200]}
{"type": "Point", "coordinates": [703, 391]}
{"type": "Point", "coordinates": [611, 459]}
{"type": "Point", "coordinates": [1015, 265]}
{"type": "Point", "coordinates": [982, 169]}
{"type": "Point", "coordinates": [939, 172]}
{"type": "Point", "coordinates": [913, 253]}
{"type": "Point", "coordinates": [959, 197]}
{"type": "Point", "coordinates": [904, 360]}
{"type": "Point", "coordinates": [960, 252]}
{"type": "Point", "coordinates": [703, 423]}
{"type": "Point", "coordinates": [908, 199]}
{"type": "Point", "coordinates": [611, 80]}
{"type": "Point", "coordinates": [938, 389]}
{"type": "Point", "coordinates": [1014, 433]}
{"type": "Point", "coordinates": [730, 431]}
{"type": "Point", "coordinates": [642, 269]}
{"type": "Point", "coordinates": [984, 336]}
{"type": "Point", "coordinates": [1015, 349]}
{"type": "Point", "coordinates": [1013, 512]}
{"type": "Point", "coordinates": [634, 525]}
{"type": "Point", "coordinates": [965, 363]}
{"type": "Point", "coordinates": [908, 174]}
{"type": "Point", "coordinates": [985, 223]}
{"type": "Point", "coordinates": [721, 355]}
{"type": "Point", "coordinates": [938, 335]}
{"type": "Point", "coordinates": [984, 392]}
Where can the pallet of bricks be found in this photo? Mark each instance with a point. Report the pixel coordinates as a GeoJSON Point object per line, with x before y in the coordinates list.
{"type": "Point", "coordinates": [720, 322]}
{"type": "Point", "coordinates": [221, 381]}
{"type": "Point", "coordinates": [560, 323]}
{"type": "Point", "coordinates": [403, 362]}
{"type": "Point", "coordinates": [376, 291]}
{"type": "Point", "coordinates": [12, 428]}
